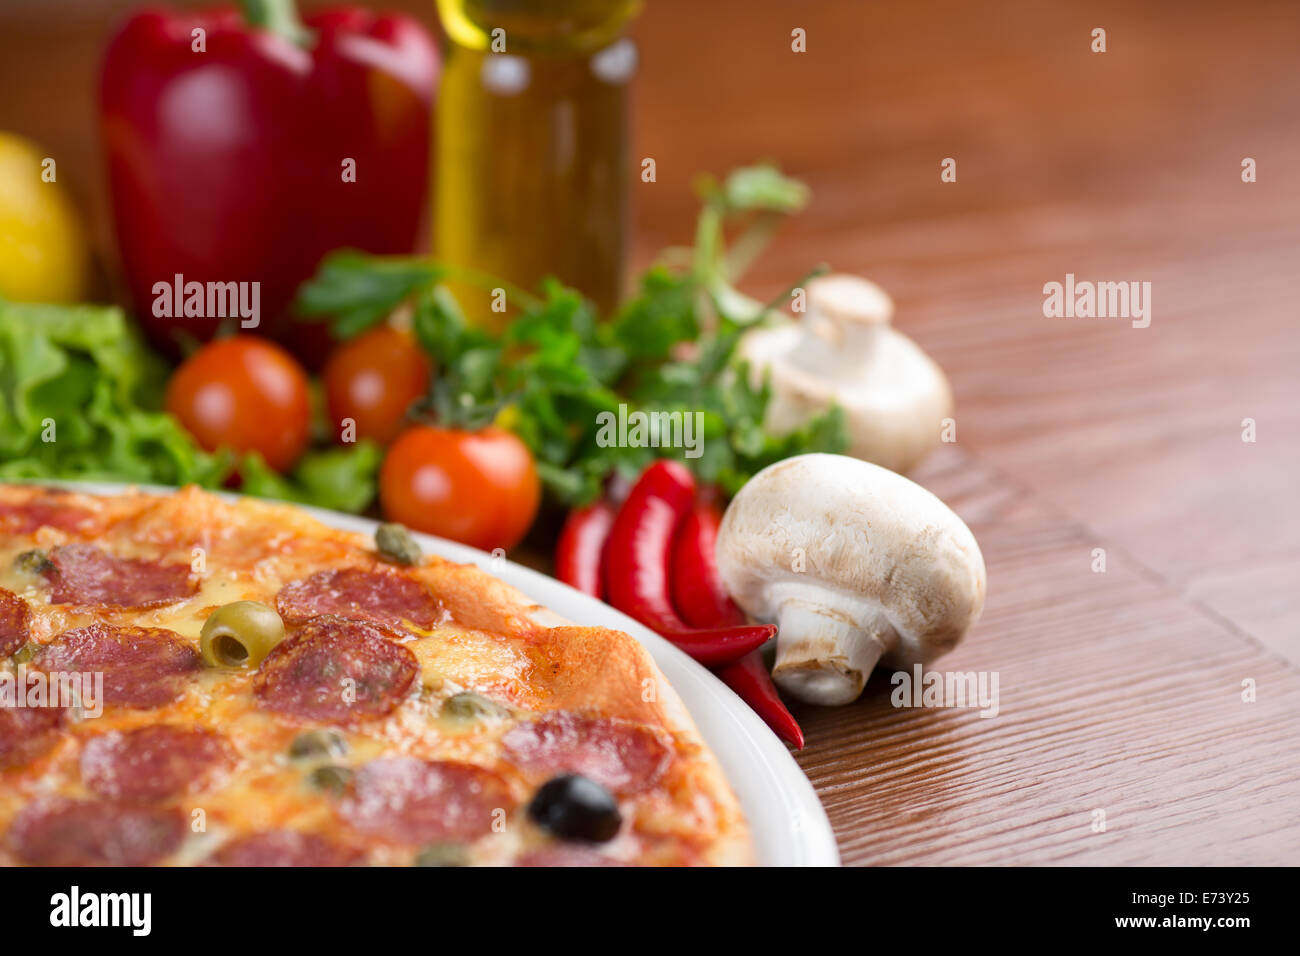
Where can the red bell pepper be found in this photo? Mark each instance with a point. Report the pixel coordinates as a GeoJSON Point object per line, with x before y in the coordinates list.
{"type": "Point", "coordinates": [227, 138]}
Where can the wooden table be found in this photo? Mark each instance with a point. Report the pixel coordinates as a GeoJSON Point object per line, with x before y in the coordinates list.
{"type": "Point", "coordinates": [1121, 691]}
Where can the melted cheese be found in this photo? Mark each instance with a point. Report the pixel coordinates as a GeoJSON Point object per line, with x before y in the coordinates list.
{"type": "Point", "coordinates": [248, 551]}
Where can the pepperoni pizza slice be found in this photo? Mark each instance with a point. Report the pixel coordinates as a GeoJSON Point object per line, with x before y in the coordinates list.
{"type": "Point", "coordinates": [190, 680]}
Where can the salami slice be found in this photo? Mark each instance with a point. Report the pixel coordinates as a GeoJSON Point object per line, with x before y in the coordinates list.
{"type": "Point", "coordinates": [85, 574]}
{"type": "Point", "coordinates": [406, 800]}
{"type": "Point", "coordinates": [285, 848]}
{"type": "Point", "coordinates": [381, 597]}
{"type": "Point", "coordinates": [559, 854]}
{"type": "Point", "coordinates": [28, 733]}
{"type": "Point", "coordinates": [15, 622]}
{"type": "Point", "coordinates": [27, 517]}
{"type": "Point", "coordinates": [335, 669]}
{"type": "Point", "coordinates": [149, 764]}
{"type": "Point", "coordinates": [623, 756]}
{"type": "Point", "coordinates": [142, 666]}
{"type": "Point", "coordinates": [62, 832]}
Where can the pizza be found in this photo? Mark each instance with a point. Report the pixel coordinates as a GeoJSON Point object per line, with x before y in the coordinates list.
{"type": "Point", "coordinates": [189, 679]}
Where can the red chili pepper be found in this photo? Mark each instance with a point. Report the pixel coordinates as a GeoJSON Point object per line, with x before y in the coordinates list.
{"type": "Point", "coordinates": [716, 647]}
{"type": "Point", "coordinates": [580, 549]}
{"type": "Point", "coordinates": [750, 679]}
{"type": "Point", "coordinates": [637, 557]}
{"type": "Point", "coordinates": [698, 592]}
{"type": "Point", "coordinates": [702, 599]}
{"type": "Point", "coordinates": [227, 139]}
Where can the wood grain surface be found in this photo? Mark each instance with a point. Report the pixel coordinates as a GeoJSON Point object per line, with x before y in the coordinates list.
{"type": "Point", "coordinates": [1119, 691]}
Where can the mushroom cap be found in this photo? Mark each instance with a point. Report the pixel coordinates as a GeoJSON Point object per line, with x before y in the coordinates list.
{"type": "Point", "coordinates": [895, 397]}
{"type": "Point", "coordinates": [894, 406]}
{"type": "Point", "coordinates": [872, 544]}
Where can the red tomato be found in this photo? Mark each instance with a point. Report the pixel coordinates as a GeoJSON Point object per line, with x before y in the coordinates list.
{"type": "Point", "coordinates": [246, 394]}
{"type": "Point", "coordinates": [373, 379]}
{"type": "Point", "coordinates": [480, 488]}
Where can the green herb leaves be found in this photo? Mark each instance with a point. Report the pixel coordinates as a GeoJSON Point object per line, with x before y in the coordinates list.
{"type": "Point", "coordinates": [557, 368]}
{"type": "Point", "coordinates": [357, 291]}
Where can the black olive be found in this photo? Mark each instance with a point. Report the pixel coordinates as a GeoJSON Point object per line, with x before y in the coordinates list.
{"type": "Point", "coordinates": [318, 745]}
{"type": "Point", "coordinates": [575, 808]}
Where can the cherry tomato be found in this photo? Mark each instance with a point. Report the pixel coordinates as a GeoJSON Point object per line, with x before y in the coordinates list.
{"type": "Point", "coordinates": [246, 394]}
{"type": "Point", "coordinates": [373, 379]}
{"type": "Point", "coordinates": [479, 488]}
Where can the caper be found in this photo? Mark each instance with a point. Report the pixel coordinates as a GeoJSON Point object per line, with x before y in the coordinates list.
{"type": "Point", "coordinates": [240, 634]}
{"type": "Point", "coordinates": [395, 542]}
{"type": "Point", "coordinates": [318, 745]}
{"type": "Point", "coordinates": [442, 854]}
{"type": "Point", "coordinates": [36, 561]}
{"type": "Point", "coordinates": [26, 653]}
{"type": "Point", "coordinates": [330, 778]}
{"type": "Point", "coordinates": [468, 705]}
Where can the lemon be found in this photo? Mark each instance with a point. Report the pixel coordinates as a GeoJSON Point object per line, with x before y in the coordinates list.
{"type": "Point", "coordinates": [43, 255]}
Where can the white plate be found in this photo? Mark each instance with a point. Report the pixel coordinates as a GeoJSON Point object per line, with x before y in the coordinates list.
{"type": "Point", "coordinates": [788, 823]}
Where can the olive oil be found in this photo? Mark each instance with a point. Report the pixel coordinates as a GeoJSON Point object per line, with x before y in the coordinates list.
{"type": "Point", "coordinates": [531, 144]}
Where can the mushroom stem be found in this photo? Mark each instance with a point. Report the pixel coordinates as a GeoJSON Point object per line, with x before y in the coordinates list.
{"type": "Point", "coordinates": [823, 657]}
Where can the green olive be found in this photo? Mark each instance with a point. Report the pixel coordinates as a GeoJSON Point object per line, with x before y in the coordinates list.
{"type": "Point", "coordinates": [240, 634]}
{"type": "Point", "coordinates": [330, 778]}
{"type": "Point", "coordinates": [468, 705]}
{"type": "Point", "coordinates": [318, 745]}
{"type": "Point", "coordinates": [36, 561]}
{"type": "Point", "coordinates": [26, 653]}
{"type": "Point", "coordinates": [395, 542]}
{"type": "Point", "coordinates": [442, 854]}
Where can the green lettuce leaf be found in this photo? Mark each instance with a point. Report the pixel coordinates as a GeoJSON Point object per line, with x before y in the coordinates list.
{"type": "Point", "coordinates": [80, 398]}
{"type": "Point", "coordinates": [341, 479]}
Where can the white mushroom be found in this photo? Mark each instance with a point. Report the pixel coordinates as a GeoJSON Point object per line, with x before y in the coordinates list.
{"type": "Point", "coordinates": [845, 351]}
{"type": "Point", "coordinates": [855, 564]}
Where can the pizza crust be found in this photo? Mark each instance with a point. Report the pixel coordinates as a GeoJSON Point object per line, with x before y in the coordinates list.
{"type": "Point", "coordinates": [610, 673]}
{"type": "Point", "coordinates": [600, 671]}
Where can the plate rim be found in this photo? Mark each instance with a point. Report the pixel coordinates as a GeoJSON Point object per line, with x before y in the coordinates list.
{"type": "Point", "coordinates": [761, 770]}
